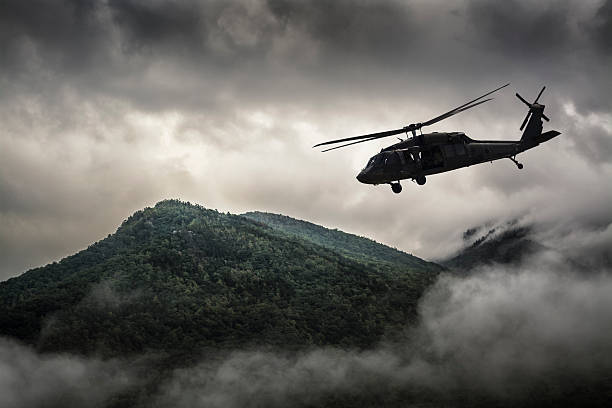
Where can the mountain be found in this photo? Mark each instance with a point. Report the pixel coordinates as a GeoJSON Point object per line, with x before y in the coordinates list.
{"type": "Point", "coordinates": [179, 277]}
{"type": "Point", "coordinates": [352, 246]}
{"type": "Point", "coordinates": [501, 244]}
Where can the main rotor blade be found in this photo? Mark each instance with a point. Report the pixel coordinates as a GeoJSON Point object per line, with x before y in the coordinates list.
{"type": "Point", "coordinates": [540, 94]}
{"type": "Point", "coordinates": [379, 135]}
{"type": "Point", "coordinates": [348, 144]}
{"type": "Point", "coordinates": [372, 136]}
{"type": "Point", "coordinates": [460, 108]}
{"type": "Point", "coordinates": [524, 101]}
{"type": "Point", "coordinates": [369, 136]}
{"type": "Point", "coordinates": [452, 113]}
{"type": "Point", "coordinates": [411, 127]}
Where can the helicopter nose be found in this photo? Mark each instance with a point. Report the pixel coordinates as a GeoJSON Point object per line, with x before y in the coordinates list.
{"type": "Point", "coordinates": [362, 177]}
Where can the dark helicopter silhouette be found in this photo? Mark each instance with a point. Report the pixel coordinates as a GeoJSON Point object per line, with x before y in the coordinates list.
{"type": "Point", "coordinates": [431, 153]}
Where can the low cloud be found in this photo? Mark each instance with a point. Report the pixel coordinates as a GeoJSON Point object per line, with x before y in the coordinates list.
{"type": "Point", "coordinates": [29, 379]}
{"type": "Point", "coordinates": [105, 295]}
{"type": "Point", "coordinates": [538, 333]}
{"type": "Point", "coordinates": [534, 334]}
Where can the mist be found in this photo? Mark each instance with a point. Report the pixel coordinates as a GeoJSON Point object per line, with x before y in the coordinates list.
{"type": "Point", "coordinates": [30, 379]}
{"type": "Point", "coordinates": [538, 333]}
{"type": "Point", "coordinates": [535, 333]}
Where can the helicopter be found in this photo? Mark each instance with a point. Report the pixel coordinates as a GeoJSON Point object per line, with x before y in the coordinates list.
{"type": "Point", "coordinates": [425, 154]}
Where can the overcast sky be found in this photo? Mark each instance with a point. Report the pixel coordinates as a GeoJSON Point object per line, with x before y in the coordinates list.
{"type": "Point", "coordinates": [110, 106]}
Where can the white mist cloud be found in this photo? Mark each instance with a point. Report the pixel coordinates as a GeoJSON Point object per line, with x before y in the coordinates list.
{"type": "Point", "coordinates": [498, 335]}
{"type": "Point", "coordinates": [539, 332]}
{"type": "Point", "coordinates": [29, 379]}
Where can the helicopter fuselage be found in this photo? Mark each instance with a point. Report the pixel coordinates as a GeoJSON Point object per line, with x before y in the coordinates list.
{"type": "Point", "coordinates": [433, 153]}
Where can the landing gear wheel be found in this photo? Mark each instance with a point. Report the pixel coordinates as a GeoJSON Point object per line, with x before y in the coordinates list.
{"type": "Point", "coordinates": [519, 165]}
{"type": "Point", "coordinates": [396, 187]}
{"type": "Point", "coordinates": [421, 180]}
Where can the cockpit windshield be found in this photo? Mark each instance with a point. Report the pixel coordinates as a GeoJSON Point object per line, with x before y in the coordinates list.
{"type": "Point", "coordinates": [375, 160]}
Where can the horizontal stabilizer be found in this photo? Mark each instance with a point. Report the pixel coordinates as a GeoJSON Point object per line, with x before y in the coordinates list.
{"type": "Point", "coordinates": [547, 136]}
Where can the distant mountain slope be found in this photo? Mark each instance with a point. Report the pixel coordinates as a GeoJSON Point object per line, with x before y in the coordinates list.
{"type": "Point", "coordinates": [506, 244]}
{"type": "Point", "coordinates": [179, 277]}
{"type": "Point", "coordinates": [354, 247]}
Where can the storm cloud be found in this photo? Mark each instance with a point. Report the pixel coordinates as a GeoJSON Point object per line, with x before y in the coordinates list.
{"type": "Point", "coordinates": [110, 106]}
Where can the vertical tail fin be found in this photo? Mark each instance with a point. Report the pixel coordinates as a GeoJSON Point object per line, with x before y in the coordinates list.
{"type": "Point", "coordinates": [532, 136]}
{"type": "Point", "coordinates": [534, 126]}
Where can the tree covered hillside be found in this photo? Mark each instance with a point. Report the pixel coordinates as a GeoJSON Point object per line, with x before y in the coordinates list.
{"type": "Point", "coordinates": [498, 245]}
{"type": "Point", "coordinates": [181, 277]}
{"type": "Point", "coordinates": [352, 246]}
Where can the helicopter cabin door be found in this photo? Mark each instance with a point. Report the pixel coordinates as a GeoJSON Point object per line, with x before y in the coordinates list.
{"type": "Point", "coordinates": [432, 158]}
{"type": "Point", "coordinates": [454, 153]}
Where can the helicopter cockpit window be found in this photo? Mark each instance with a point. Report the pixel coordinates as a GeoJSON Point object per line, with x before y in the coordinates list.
{"type": "Point", "coordinates": [407, 156]}
{"type": "Point", "coordinates": [375, 160]}
{"type": "Point", "coordinates": [392, 159]}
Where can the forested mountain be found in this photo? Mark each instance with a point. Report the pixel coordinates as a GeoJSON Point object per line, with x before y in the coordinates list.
{"type": "Point", "coordinates": [179, 277]}
{"type": "Point", "coordinates": [352, 246]}
{"type": "Point", "coordinates": [505, 244]}
{"type": "Point", "coordinates": [187, 306]}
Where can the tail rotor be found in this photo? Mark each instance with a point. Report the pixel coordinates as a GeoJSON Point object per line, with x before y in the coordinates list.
{"type": "Point", "coordinates": [532, 106]}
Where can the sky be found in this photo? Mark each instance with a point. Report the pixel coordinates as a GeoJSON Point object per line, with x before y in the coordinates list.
{"type": "Point", "coordinates": [110, 106]}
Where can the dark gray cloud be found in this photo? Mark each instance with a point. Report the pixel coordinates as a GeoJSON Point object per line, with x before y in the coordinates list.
{"type": "Point", "coordinates": [601, 27]}
{"type": "Point", "coordinates": [68, 34]}
{"type": "Point", "coordinates": [166, 55]}
{"type": "Point", "coordinates": [365, 29]}
{"type": "Point", "coordinates": [520, 30]}
{"type": "Point", "coordinates": [147, 25]}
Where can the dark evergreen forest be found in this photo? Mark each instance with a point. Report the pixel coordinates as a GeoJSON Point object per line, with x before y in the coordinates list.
{"type": "Point", "coordinates": [180, 278]}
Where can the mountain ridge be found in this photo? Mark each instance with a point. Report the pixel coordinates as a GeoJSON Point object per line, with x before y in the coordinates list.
{"type": "Point", "coordinates": [506, 244]}
{"type": "Point", "coordinates": [178, 276]}
{"type": "Point", "coordinates": [351, 245]}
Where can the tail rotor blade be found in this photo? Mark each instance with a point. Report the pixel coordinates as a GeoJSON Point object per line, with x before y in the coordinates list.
{"type": "Point", "coordinates": [540, 94]}
{"type": "Point", "coordinates": [523, 100]}
{"type": "Point", "coordinates": [526, 119]}
{"type": "Point", "coordinates": [533, 106]}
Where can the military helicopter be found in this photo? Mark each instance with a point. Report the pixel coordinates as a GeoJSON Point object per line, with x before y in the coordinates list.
{"type": "Point", "coordinates": [432, 153]}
